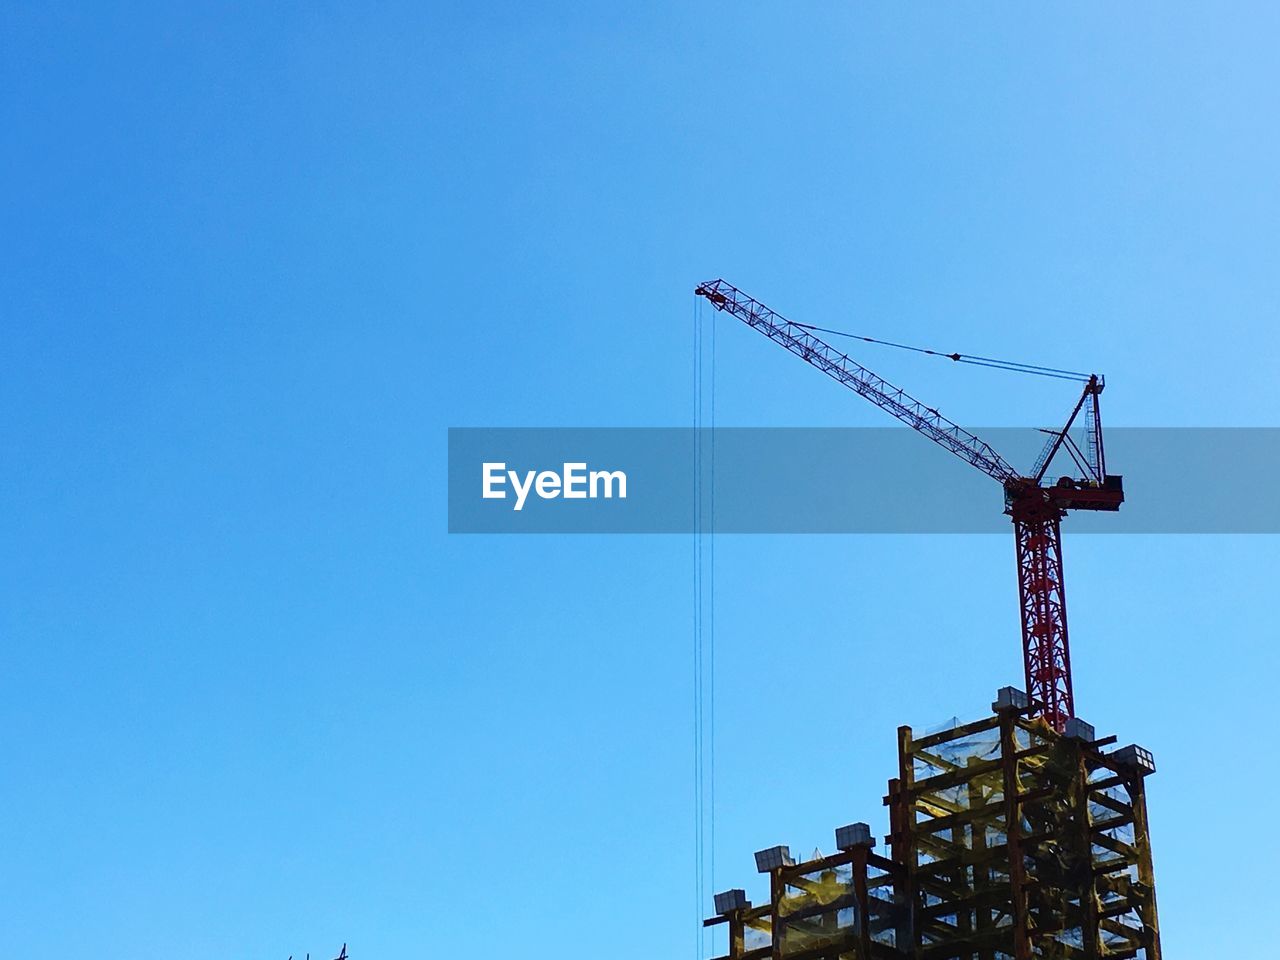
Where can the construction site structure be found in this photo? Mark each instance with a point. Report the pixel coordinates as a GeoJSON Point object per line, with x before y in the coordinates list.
{"type": "Point", "coordinates": [1034, 503]}
{"type": "Point", "coordinates": [1008, 840]}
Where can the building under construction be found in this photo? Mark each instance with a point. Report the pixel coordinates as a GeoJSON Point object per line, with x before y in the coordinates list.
{"type": "Point", "coordinates": [1007, 840]}
{"type": "Point", "coordinates": [1018, 836]}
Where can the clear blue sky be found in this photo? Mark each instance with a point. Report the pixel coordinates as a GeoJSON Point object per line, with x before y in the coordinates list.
{"type": "Point", "coordinates": [257, 258]}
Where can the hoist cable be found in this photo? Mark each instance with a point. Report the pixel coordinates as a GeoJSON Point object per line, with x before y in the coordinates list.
{"type": "Point", "coordinates": [698, 806]}
{"type": "Point", "coordinates": [704, 520]}
{"type": "Point", "coordinates": [711, 637]}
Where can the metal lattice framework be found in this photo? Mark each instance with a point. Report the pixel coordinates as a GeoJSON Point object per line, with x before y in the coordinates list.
{"type": "Point", "coordinates": [1036, 510]}
{"type": "Point", "coordinates": [1018, 842]}
{"type": "Point", "coordinates": [1047, 658]}
{"type": "Point", "coordinates": [1008, 841]}
{"type": "Point", "coordinates": [837, 365]}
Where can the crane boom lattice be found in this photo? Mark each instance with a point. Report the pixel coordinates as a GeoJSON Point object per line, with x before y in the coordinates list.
{"type": "Point", "coordinates": [837, 365]}
{"type": "Point", "coordinates": [1036, 509]}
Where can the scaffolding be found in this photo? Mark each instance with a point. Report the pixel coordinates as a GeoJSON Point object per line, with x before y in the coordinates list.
{"type": "Point", "coordinates": [1008, 841]}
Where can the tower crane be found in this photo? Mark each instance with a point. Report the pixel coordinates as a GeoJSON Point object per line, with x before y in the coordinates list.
{"type": "Point", "coordinates": [1035, 506]}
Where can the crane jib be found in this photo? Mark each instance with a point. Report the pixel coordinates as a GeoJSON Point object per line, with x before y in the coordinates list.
{"type": "Point", "coordinates": [837, 365]}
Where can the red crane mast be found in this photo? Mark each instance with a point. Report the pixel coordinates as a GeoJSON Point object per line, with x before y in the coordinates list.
{"type": "Point", "coordinates": [1035, 509]}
